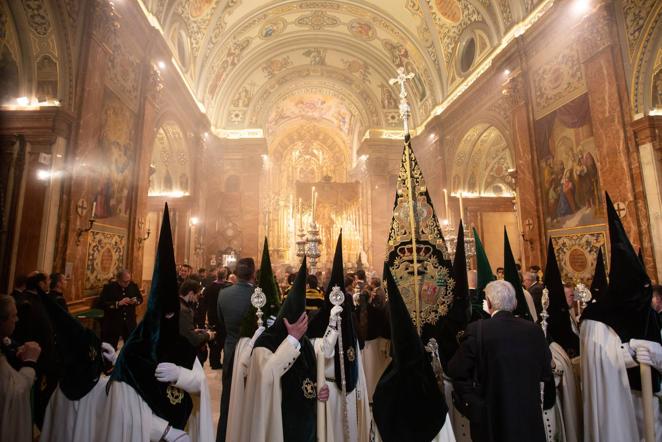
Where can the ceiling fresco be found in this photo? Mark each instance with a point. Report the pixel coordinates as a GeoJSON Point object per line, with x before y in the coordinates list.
{"type": "Point", "coordinates": [244, 59]}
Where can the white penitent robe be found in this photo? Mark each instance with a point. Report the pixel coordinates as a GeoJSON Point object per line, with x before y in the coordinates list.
{"type": "Point", "coordinates": [567, 394]}
{"type": "Point", "coordinates": [376, 358]}
{"type": "Point", "coordinates": [74, 421]}
{"type": "Point", "coordinates": [242, 357]}
{"type": "Point", "coordinates": [330, 416]}
{"type": "Point", "coordinates": [128, 418]}
{"type": "Point", "coordinates": [459, 423]}
{"type": "Point", "coordinates": [15, 412]}
{"type": "Point", "coordinates": [609, 414]}
{"type": "Point", "coordinates": [261, 418]}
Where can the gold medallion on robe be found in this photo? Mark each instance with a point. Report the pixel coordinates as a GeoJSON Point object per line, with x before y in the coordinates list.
{"type": "Point", "coordinates": [351, 355]}
{"type": "Point", "coordinates": [308, 388]}
{"type": "Point", "coordinates": [175, 395]}
{"type": "Point", "coordinates": [92, 353]}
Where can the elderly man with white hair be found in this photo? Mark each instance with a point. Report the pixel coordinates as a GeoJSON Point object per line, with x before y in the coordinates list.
{"type": "Point", "coordinates": [509, 358]}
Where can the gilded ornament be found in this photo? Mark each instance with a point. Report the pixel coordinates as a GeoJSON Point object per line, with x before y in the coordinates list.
{"type": "Point", "coordinates": [308, 388]}
{"type": "Point", "coordinates": [175, 395]}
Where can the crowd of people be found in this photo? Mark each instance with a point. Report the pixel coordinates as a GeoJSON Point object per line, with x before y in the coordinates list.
{"type": "Point", "coordinates": [533, 363]}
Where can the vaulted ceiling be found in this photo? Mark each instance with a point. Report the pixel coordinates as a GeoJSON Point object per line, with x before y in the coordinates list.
{"type": "Point", "coordinates": [259, 64]}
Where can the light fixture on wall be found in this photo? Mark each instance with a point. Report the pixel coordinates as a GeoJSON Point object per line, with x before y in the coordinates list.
{"type": "Point", "coordinates": [91, 221]}
{"type": "Point", "coordinates": [194, 221]}
{"type": "Point", "coordinates": [142, 239]}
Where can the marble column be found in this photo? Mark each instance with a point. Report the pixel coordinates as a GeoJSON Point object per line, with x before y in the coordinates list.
{"type": "Point", "coordinates": [619, 164]}
{"type": "Point", "coordinates": [378, 192]}
{"type": "Point", "coordinates": [648, 136]}
{"type": "Point", "coordinates": [530, 220]}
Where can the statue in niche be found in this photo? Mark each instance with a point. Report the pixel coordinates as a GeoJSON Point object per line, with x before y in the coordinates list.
{"type": "Point", "coordinates": [183, 182]}
{"type": "Point", "coordinates": [167, 181]}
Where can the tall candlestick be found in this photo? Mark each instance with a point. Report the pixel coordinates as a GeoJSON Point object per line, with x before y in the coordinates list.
{"type": "Point", "coordinates": [312, 199]}
{"type": "Point", "coordinates": [461, 207]}
{"type": "Point", "coordinates": [94, 209]}
{"type": "Point", "coordinates": [448, 216]}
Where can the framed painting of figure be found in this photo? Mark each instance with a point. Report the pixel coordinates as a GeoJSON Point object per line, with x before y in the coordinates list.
{"type": "Point", "coordinates": [568, 167]}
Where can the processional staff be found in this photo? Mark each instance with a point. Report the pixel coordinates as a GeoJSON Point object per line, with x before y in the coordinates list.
{"type": "Point", "coordinates": [405, 112]}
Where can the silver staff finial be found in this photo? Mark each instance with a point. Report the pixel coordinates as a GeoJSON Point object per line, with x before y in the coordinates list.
{"type": "Point", "coordinates": [258, 300]}
{"type": "Point", "coordinates": [405, 110]}
{"type": "Point", "coordinates": [543, 314]}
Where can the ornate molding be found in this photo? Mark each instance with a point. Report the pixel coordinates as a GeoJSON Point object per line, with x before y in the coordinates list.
{"type": "Point", "coordinates": [513, 89]}
{"type": "Point", "coordinates": [595, 31]}
{"type": "Point", "coordinates": [154, 85]}
{"type": "Point", "coordinates": [105, 20]}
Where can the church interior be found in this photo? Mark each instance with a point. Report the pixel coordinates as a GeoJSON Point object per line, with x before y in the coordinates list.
{"type": "Point", "coordinates": [253, 119]}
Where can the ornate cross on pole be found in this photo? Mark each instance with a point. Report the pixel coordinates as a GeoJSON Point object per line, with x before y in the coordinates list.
{"type": "Point", "coordinates": [405, 110]}
{"type": "Point", "coordinates": [404, 113]}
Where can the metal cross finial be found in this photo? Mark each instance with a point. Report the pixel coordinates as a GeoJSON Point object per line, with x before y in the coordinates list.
{"type": "Point", "coordinates": [405, 110]}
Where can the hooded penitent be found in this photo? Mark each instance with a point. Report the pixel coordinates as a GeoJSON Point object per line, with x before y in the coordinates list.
{"type": "Point", "coordinates": [156, 339]}
{"type": "Point", "coordinates": [599, 283]}
{"type": "Point", "coordinates": [453, 324]}
{"type": "Point", "coordinates": [408, 405]}
{"type": "Point", "coordinates": [79, 352]}
{"type": "Point", "coordinates": [484, 276]}
{"type": "Point", "coordinates": [559, 329]}
{"type": "Point", "coordinates": [267, 282]}
{"type": "Point", "coordinates": [511, 275]}
{"type": "Point", "coordinates": [625, 306]}
{"type": "Point", "coordinates": [297, 384]}
{"type": "Point", "coordinates": [319, 323]}
{"type": "Point", "coordinates": [433, 275]}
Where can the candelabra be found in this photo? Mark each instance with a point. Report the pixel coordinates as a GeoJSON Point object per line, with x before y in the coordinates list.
{"type": "Point", "coordinates": [301, 242]}
{"type": "Point", "coordinates": [313, 246]}
{"type": "Point", "coordinates": [142, 239]}
{"type": "Point", "coordinates": [450, 236]}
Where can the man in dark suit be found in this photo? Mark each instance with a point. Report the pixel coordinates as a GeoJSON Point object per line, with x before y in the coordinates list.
{"type": "Point", "coordinates": [119, 299]}
{"type": "Point", "coordinates": [534, 288]}
{"type": "Point", "coordinates": [211, 294]}
{"type": "Point", "coordinates": [514, 358]}
{"type": "Point", "coordinates": [233, 305]}
{"type": "Point", "coordinates": [189, 291]}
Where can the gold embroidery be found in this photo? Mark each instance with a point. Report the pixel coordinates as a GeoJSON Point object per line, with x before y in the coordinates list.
{"type": "Point", "coordinates": [351, 356]}
{"type": "Point", "coordinates": [175, 395]}
{"type": "Point", "coordinates": [435, 283]}
{"type": "Point", "coordinates": [44, 383]}
{"type": "Point", "coordinates": [308, 389]}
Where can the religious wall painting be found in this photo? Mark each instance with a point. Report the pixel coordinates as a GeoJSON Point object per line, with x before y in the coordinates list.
{"type": "Point", "coordinates": [358, 68]}
{"type": "Point", "coordinates": [244, 95]}
{"type": "Point", "coordinates": [317, 56]}
{"type": "Point", "coordinates": [231, 58]}
{"type": "Point", "coordinates": [387, 97]}
{"type": "Point", "coordinates": [272, 28]}
{"type": "Point", "coordinates": [115, 159]}
{"type": "Point", "coordinates": [361, 29]}
{"type": "Point", "coordinates": [106, 249]}
{"type": "Point", "coordinates": [276, 65]}
{"type": "Point", "coordinates": [316, 107]}
{"type": "Point", "coordinates": [577, 254]}
{"type": "Point", "coordinates": [47, 75]}
{"type": "Point", "coordinates": [198, 8]}
{"type": "Point", "coordinates": [399, 54]}
{"type": "Point", "coordinates": [656, 88]}
{"type": "Point", "coordinates": [572, 195]}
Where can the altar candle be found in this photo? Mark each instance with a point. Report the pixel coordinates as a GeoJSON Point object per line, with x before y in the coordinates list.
{"type": "Point", "coordinates": [94, 209]}
{"type": "Point", "coordinates": [446, 204]}
{"type": "Point", "coordinates": [461, 207]}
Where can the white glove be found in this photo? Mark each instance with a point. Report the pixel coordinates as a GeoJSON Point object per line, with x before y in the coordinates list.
{"type": "Point", "coordinates": [176, 435]}
{"type": "Point", "coordinates": [333, 317]}
{"type": "Point", "coordinates": [648, 352]}
{"type": "Point", "coordinates": [270, 320]}
{"type": "Point", "coordinates": [168, 373]}
{"type": "Point", "coordinates": [628, 355]}
{"type": "Point", "coordinates": [108, 352]}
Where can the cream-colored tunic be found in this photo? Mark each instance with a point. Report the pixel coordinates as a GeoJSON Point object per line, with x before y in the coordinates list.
{"type": "Point", "coordinates": [15, 412]}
